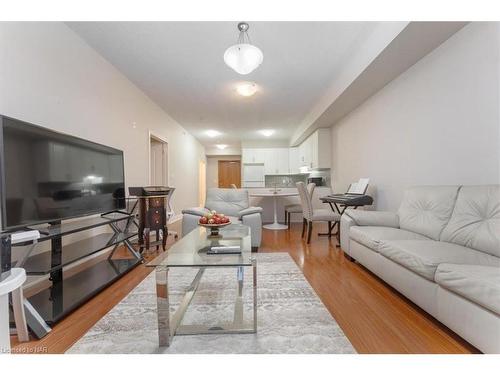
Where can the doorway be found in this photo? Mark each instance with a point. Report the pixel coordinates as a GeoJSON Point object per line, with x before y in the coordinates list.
{"type": "Point", "coordinates": [158, 161]}
{"type": "Point", "coordinates": [202, 182]}
{"type": "Point", "coordinates": [229, 172]}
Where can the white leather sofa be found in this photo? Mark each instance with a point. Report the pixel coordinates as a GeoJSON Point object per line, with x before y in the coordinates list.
{"type": "Point", "coordinates": [442, 251]}
{"type": "Point", "coordinates": [233, 203]}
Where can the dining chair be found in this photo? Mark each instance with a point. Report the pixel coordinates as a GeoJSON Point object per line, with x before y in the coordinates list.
{"type": "Point", "coordinates": [297, 208]}
{"type": "Point", "coordinates": [311, 214]}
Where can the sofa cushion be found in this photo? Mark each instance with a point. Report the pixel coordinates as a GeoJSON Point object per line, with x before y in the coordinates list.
{"type": "Point", "coordinates": [371, 236]}
{"type": "Point", "coordinates": [423, 257]}
{"type": "Point", "coordinates": [475, 221]}
{"type": "Point", "coordinates": [373, 218]}
{"type": "Point", "coordinates": [227, 201]}
{"type": "Point", "coordinates": [479, 284]}
{"type": "Point", "coordinates": [427, 209]}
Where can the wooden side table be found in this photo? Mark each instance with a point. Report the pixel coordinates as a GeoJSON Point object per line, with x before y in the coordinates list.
{"type": "Point", "coordinates": [153, 217]}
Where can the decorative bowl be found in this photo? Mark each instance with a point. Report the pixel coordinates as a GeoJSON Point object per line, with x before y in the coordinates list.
{"type": "Point", "coordinates": [214, 228]}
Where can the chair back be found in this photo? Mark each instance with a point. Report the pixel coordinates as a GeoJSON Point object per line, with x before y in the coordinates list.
{"type": "Point", "coordinates": [227, 201]}
{"type": "Point", "coordinates": [310, 189]}
{"type": "Point", "coordinates": [305, 199]}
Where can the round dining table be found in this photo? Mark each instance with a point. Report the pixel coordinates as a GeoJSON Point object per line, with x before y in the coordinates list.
{"type": "Point", "coordinates": [275, 195]}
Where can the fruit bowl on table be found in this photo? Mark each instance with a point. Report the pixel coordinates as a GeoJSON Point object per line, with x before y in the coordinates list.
{"type": "Point", "coordinates": [213, 222]}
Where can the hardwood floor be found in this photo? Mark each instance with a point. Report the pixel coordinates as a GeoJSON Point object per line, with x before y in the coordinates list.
{"type": "Point", "coordinates": [374, 317]}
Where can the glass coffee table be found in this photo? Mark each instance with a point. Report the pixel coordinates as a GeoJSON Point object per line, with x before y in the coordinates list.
{"type": "Point", "coordinates": [191, 251]}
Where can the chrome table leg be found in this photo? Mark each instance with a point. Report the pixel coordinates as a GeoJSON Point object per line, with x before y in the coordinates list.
{"type": "Point", "coordinates": [163, 305]}
{"type": "Point", "coordinates": [254, 271]}
{"type": "Point", "coordinates": [238, 306]}
{"type": "Point", "coordinates": [167, 327]}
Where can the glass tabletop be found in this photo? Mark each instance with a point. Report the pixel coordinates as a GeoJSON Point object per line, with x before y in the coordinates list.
{"type": "Point", "coordinates": [191, 250]}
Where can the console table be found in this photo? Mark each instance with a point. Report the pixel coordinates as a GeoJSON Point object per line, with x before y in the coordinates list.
{"type": "Point", "coordinates": [67, 293]}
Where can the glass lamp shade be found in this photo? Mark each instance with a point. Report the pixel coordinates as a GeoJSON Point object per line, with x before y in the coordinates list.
{"type": "Point", "coordinates": [243, 58]}
{"type": "Point", "coordinates": [246, 88]}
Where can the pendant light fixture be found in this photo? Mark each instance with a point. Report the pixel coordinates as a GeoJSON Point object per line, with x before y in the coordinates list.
{"type": "Point", "coordinates": [243, 57]}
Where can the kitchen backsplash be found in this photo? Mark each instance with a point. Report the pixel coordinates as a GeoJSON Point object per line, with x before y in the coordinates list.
{"type": "Point", "coordinates": [287, 180]}
{"type": "Point", "coordinates": [284, 180]}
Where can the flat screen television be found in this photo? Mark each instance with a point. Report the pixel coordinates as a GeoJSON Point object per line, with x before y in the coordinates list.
{"type": "Point", "coordinates": [48, 176]}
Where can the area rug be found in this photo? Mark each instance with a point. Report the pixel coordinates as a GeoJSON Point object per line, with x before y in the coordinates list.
{"type": "Point", "coordinates": [291, 317]}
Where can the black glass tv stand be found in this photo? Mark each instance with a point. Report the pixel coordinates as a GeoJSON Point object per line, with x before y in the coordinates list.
{"type": "Point", "coordinates": [65, 294]}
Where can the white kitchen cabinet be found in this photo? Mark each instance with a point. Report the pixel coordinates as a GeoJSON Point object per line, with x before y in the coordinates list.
{"type": "Point", "coordinates": [276, 161]}
{"type": "Point", "coordinates": [280, 155]}
{"type": "Point", "coordinates": [248, 155]}
{"type": "Point", "coordinates": [293, 160]}
{"type": "Point", "coordinates": [314, 138]}
{"type": "Point", "coordinates": [254, 155]}
{"type": "Point", "coordinates": [321, 149]}
{"type": "Point", "coordinates": [305, 153]}
{"type": "Point", "coordinates": [315, 151]}
{"type": "Point", "coordinates": [245, 155]}
{"type": "Point", "coordinates": [270, 165]}
{"type": "Point", "coordinates": [261, 155]}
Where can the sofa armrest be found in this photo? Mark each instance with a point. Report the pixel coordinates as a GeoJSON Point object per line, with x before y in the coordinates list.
{"type": "Point", "coordinates": [346, 222]}
{"type": "Point", "coordinates": [254, 221]}
{"type": "Point", "coordinates": [197, 211]}
{"type": "Point", "coordinates": [249, 211]}
{"type": "Point", "coordinates": [373, 218]}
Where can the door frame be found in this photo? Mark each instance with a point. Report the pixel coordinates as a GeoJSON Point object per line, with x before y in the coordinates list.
{"type": "Point", "coordinates": [202, 182]}
{"type": "Point", "coordinates": [159, 138]}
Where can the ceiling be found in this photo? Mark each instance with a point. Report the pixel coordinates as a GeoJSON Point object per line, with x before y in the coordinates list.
{"type": "Point", "coordinates": [180, 66]}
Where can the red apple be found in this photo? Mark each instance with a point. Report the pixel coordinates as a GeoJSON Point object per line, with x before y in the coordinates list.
{"type": "Point", "coordinates": [225, 220]}
{"type": "Point", "coordinates": [217, 220]}
{"type": "Point", "coordinates": [203, 220]}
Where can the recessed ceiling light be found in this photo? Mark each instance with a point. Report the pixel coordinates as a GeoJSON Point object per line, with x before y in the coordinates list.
{"type": "Point", "coordinates": [221, 147]}
{"type": "Point", "coordinates": [246, 88]}
{"type": "Point", "coordinates": [212, 133]}
{"type": "Point", "coordinates": [266, 132]}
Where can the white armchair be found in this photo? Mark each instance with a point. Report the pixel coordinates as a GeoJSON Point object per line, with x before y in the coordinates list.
{"type": "Point", "coordinates": [233, 203]}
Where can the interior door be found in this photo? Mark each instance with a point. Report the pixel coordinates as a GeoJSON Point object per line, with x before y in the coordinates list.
{"type": "Point", "coordinates": [229, 173]}
{"type": "Point", "coordinates": [158, 163]}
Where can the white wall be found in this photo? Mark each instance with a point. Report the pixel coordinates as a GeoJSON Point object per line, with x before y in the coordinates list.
{"type": "Point", "coordinates": [437, 123]}
{"type": "Point", "coordinates": [49, 76]}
